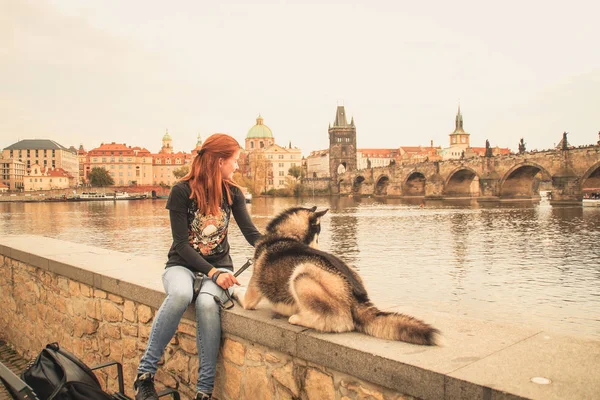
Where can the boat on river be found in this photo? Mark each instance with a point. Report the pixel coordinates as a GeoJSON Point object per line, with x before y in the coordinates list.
{"type": "Point", "coordinates": [95, 196]}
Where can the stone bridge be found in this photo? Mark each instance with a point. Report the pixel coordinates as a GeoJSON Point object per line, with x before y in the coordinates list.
{"type": "Point", "coordinates": [567, 173]}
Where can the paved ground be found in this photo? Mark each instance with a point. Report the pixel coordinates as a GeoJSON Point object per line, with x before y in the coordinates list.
{"type": "Point", "coordinates": [12, 360]}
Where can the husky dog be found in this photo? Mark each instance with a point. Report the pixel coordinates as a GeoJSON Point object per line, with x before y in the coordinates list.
{"type": "Point", "coordinates": [316, 289]}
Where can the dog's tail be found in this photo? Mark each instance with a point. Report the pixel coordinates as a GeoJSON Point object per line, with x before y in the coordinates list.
{"type": "Point", "coordinates": [392, 326]}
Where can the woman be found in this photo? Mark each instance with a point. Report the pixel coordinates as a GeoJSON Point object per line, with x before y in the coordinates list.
{"type": "Point", "coordinates": [200, 207]}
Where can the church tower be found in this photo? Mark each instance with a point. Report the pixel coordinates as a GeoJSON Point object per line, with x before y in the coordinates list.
{"type": "Point", "coordinates": [459, 138]}
{"type": "Point", "coordinates": [167, 144]}
{"type": "Point", "coordinates": [342, 145]}
{"type": "Point", "coordinates": [259, 136]}
{"type": "Point", "coordinates": [198, 147]}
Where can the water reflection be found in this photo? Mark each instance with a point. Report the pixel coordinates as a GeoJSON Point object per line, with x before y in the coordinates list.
{"type": "Point", "coordinates": [343, 228]}
{"type": "Point", "coordinates": [523, 263]}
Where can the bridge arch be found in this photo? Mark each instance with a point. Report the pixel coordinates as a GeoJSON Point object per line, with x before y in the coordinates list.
{"type": "Point", "coordinates": [522, 180]}
{"type": "Point", "coordinates": [381, 185]}
{"type": "Point", "coordinates": [357, 184]}
{"type": "Point", "coordinates": [414, 185]}
{"type": "Point", "coordinates": [462, 182]}
{"type": "Point", "coordinates": [591, 178]}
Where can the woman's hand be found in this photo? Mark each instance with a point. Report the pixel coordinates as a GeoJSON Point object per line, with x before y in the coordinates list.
{"type": "Point", "coordinates": [224, 279]}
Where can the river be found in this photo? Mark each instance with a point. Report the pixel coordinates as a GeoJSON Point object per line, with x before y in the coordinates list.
{"type": "Point", "coordinates": [523, 263]}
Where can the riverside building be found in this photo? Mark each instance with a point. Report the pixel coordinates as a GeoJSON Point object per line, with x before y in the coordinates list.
{"type": "Point", "coordinates": [13, 172]}
{"type": "Point", "coordinates": [266, 164]}
{"type": "Point", "coordinates": [137, 165]}
{"type": "Point", "coordinates": [45, 153]}
{"type": "Point", "coordinates": [42, 178]}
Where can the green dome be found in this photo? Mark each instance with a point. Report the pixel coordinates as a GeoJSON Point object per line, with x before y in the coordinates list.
{"type": "Point", "coordinates": [259, 130]}
{"type": "Point", "coordinates": [167, 136]}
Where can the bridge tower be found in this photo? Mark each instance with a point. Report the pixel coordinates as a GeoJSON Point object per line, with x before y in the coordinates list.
{"type": "Point", "coordinates": [342, 146]}
{"type": "Point", "coordinates": [459, 138]}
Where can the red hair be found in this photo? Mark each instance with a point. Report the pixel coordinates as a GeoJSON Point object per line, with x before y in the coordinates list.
{"type": "Point", "coordinates": [205, 178]}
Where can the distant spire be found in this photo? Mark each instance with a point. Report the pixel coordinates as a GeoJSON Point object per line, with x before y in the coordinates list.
{"type": "Point", "coordinates": [290, 145]}
{"type": "Point", "coordinates": [459, 120]}
{"type": "Point", "coordinates": [458, 125]}
{"type": "Point", "coordinates": [340, 117]}
{"type": "Point", "coordinates": [199, 142]}
{"type": "Point", "coordinates": [352, 122]}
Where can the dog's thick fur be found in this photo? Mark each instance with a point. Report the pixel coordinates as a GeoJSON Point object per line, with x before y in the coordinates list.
{"type": "Point", "coordinates": [316, 289]}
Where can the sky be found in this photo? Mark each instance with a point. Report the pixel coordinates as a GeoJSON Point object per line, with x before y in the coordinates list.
{"type": "Point", "coordinates": [87, 72]}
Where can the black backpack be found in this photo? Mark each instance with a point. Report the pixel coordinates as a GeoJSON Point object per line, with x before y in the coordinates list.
{"type": "Point", "coordinates": [57, 374]}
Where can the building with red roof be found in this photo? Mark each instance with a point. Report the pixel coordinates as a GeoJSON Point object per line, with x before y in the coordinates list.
{"type": "Point", "coordinates": [134, 165]}
{"type": "Point", "coordinates": [47, 178]}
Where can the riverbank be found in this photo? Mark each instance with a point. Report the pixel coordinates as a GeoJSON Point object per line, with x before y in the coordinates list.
{"type": "Point", "coordinates": [96, 297]}
{"type": "Point", "coordinates": [69, 193]}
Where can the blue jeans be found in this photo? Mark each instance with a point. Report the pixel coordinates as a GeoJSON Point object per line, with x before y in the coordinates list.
{"type": "Point", "coordinates": [178, 282]}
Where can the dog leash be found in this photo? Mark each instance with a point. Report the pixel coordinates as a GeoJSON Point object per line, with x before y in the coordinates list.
{"type": "Point", "coordinates": [244, 267]}
{"type": "Point", "coordinates": [228, 304]}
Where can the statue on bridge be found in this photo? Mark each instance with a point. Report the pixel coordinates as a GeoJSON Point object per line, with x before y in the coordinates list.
{"type": "Point", "coordinates": [488, 149]}
{"type": "Point", "coordinates": [522, 146]}
{"type": "Point", "coordinates": [565, 144]}
{"type": "Point", "coordinates": [598, 138]}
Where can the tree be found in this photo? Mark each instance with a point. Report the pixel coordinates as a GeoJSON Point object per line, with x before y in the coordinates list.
{"type": "Point", "coordinates": [296, 171]}
{"type": "Point", "coordinates": [181, 171]}
{"type": "Point", "coordinates": [261, 171]}
{"type": "Point", "coordinates": [243, 181]}
{"type": "Point", "coordinates": [100, 177]}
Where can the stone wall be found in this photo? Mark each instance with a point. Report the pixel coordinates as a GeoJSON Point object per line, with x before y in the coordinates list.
{"type": "Point", "coordinates": [100, 304]}
{"type": "Point", "coordinates": [42, 307]}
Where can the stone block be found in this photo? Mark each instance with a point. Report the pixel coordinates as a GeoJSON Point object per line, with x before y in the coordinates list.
{"type": "Point", "coordinates": [232, 380]}
{"type": "Point", "coordinates": [116, 350]}
{"type": "Point", "coordinates": [189, 328]}
{"type": "Point", "coordinates": [253, 354]}
{"type": "Point", "coordinates": [234, 351]}
{"type": "Point", "coordinates": [272, 358]}
{"type": "Point", "coordinates": [111, 313]}
{"type": "Point", "coordinates": [84, 326]}
{"type": "Point", "coordinates": [129, 348]}
{"type": "Point", "coordinates": [63, 285]}
{"type": "Point", "coordinates": [74, 290]}
{"type": "Point", "coordinates": [79, 304]}
{"type": "Point", "coordinates": [129, 330]}
{"type": "Point", "coordinates": [361, 391]}
{"type": "Point", "coordinates": [166, 379]}
{"type": "Point", "coordinates": [115, 299]}
{"type": "Point", "coordinates": [145, 313]}
{"type": "Point", "coordinates": [93, 309]}
{"type": "Point", "coordinates": [85, 290]}
{"type": "Point", "coordinates": [188, 344]}
{"type": "Point", "coordinates": [285, 376]}
{"type": "Point", "coordinates": [110, 331]}
{"type": "Point", "coordinates": [129, 311]}
{"type": "Point", "coordinates": [144, 331]}
{"type": "Point", "coordinates": [318, 386]}
{"type": "Point", "coordinates": [255, 384]}
{"type": "Point", "coordinates": [178, 364]}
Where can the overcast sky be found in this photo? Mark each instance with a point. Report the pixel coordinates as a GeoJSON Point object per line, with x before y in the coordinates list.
{"type": "Point", "coordinates": [92, 71]}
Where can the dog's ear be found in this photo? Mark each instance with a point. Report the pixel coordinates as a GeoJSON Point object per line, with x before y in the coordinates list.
{"type": "Point", "coordinates": [321, 213]}
{"type": "Point", "coordinates": [313, 209]}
